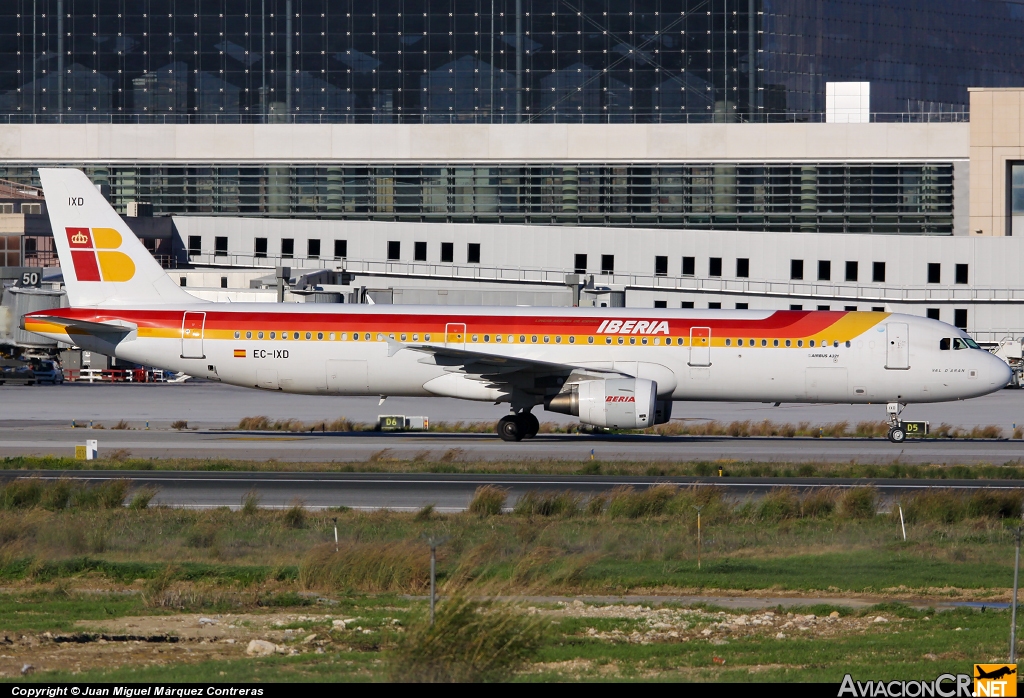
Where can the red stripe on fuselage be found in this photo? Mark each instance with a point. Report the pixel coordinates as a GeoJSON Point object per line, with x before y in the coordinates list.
{"type": "Point", "coordinates": [783, 323]}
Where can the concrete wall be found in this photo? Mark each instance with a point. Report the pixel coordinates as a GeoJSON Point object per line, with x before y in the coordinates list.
{"type": "Point", "coordinates": [540, 256]}
{"type": "Point", "coordinates": [997, 137]}
{"type": "Point", "coordinates": [297, 143]}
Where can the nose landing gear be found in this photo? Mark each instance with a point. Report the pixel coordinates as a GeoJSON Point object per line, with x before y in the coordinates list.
{"type": "Point", "coordinates": [897, 434]}
{"type": "Point", "coordinates": [516, 427]}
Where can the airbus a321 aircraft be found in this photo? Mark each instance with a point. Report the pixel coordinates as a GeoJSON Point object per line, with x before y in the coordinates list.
{"type": "Point", "coordinates": [611, 367]}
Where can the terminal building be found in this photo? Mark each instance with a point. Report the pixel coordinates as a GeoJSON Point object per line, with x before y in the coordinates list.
{"type": "Point", "coordinates": [725, 154]}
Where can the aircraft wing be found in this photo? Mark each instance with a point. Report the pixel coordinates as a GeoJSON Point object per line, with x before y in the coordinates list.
{"type": "Point", "coordinates": [494, 366]}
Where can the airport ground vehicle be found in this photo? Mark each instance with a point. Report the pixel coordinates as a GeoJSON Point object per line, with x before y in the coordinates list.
{"type": "Point", "coordinates": [17, 375]}
{"type": "Point", "coordinates": [47, 371]}
{"type": "Point", "coordinates": [611, 367]}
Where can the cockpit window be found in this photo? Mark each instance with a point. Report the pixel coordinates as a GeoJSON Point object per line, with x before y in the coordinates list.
{"type": "Point", "coordinates": [959, 343]}
{"type": "Point", "coordinates": [971, 343]}
{"type": "Point", "coordinates": [944, 344]}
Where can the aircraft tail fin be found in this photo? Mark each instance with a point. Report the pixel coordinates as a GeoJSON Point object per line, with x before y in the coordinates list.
{"type": "Point", "coordinates": [103, 262]}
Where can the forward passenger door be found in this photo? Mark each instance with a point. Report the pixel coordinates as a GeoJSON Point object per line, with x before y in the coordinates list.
{"type": "Point", "coordinates": [897, 346]}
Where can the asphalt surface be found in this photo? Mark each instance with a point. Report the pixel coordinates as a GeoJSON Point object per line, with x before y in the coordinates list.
{"type": "Point", "coordinates": [214, 405]}
{"type": "Point", "coordinates": [364, 446]}
{"type": "Point", "coordinates": [447, 492]}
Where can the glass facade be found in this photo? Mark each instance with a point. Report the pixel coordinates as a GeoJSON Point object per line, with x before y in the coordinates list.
{"type": "Point", "coordinates": [494, 60]}
{"type": "Point", "coordinates": [903, 198]}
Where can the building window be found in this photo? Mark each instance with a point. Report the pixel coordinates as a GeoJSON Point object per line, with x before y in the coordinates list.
{"type": "Point", "coordinates": [607, 264]}
{"type": "Point", "coordinates": [1016, 184]}
{"type": "Point", "coordinates": [689, 266]}
{"type": "Point", "coordinates": [851, 271]}
{"type": "Point", "coordinates": [287, 247]}
{"type": "Point", "coordinates": [195, 244]}
{"type": "Point", "coordinates": [932, 313]}
{"type": "Point", "coordinates": [340, 249]}
{"type": "Point", "coordinates": [715, 266]}
{"type": "Point", "coordinates": [850, 308]}
{"type": "Point", "coordinates": [824, 307]}
{"type": "Point", "coordinates": [824, 270]}
{"type": "Point", "coordinates": [742, 306]}
{"type": "Point", "coordinates": [961, 274]}
{"type": "Point", "coordinates": [796, 307]}
{"type": "Point", "coordinates": [660, 304]}
{"type": "Point", "coordinates": [448, 252]}
{"type": "Point", "coordinates": [419, 251]}
{"type": "Point", "coordinates": [312, 249]}
{"type": "Point", "coordinates": [686, 304]}
{"type": "Point", "coordinates": [580, 263]}
{"type": "Point", "coordinates": [220, 245]}
{"type": "Point", "coordinates": [742, 268]}
{"type": "Point", "coordinates": [878, 308]}
{"type": "Point", "coordinates": [796, 269]}
{"type": "Point", "coordinates": [259, 247]}
{"type": "Point", "coordinates": [878, 272]}
{"type": "Point", "coordinates": [473, 253]}
{"type": "Point", "coordinates": [715, 306]}
{"type": "Point", "coordinates": [960, 318]}
{"type": "Point", "coordinates": [660, 266]}
{"type": "Point", "coordinates": [394, 250]}
{"type": "Point", "coordinates": [223, 282]}
{"type": "Point", "coordinates": [934, 273]}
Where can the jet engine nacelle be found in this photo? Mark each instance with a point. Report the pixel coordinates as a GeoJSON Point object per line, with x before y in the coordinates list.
{"type": "Point", "coordinates": [620, 403]}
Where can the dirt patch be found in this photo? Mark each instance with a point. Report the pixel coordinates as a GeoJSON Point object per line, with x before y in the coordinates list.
{"type": "Point", "coordinates": [716, 628]}
{"type": "Point", "coordinates": [160, 640]}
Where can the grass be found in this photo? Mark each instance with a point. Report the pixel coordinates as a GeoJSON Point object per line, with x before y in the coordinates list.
{"type": "Point", "coordinates": [833, 540]}
{"type": "Point", "coordinates": [93, 559]}
{"type": "Point", "coordinates": [454, 461]}
{"type": "Point", "coordinates": [678, 427]}
{"type": "Point", "coordinates": [469, 641]}
{"type": "Point", "coordinates": [550, 643]}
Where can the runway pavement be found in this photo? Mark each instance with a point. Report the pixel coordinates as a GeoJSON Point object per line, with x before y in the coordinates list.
{"type": "Point", "coordinates": [214, 405]}
{"type": "Point", "coordinates": [447, 492]}
{"type": "Point", "coordinates": [364, 446]}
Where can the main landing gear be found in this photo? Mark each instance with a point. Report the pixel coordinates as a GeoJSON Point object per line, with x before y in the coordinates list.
{"type": "Point", "coordinates": [516, 427]}
{"type": "Point", "coordinates": [897, 434]}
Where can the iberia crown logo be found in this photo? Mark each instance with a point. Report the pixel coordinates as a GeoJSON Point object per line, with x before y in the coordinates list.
{"type": "Point", "coordinates": [94, 257]}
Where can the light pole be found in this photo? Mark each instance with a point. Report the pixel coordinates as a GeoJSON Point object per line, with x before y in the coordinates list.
{"type": "Point", "coordinates": [698, 534]}
{"type": "Point", "coordinates": [1013, 608]}
{"type": "Point", "coordinates": [433, 543]}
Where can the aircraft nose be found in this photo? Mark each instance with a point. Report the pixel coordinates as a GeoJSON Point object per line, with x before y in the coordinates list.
{"type": "Point", "coordinates": [999, 372]}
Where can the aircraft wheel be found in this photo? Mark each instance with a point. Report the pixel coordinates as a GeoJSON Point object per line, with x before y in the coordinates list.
{"type": "Point", "coordinates": [531, 425]}
{"type": "Point", "coordinates": [510, 429]}
{"type": "Point", "coordinates": [897, 435]}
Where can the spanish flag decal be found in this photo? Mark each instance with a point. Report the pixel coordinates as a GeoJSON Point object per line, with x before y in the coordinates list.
{"type": "Point", "coordinates": [239, 353]}
{"type": "Point", "coordinates": [94, 257]}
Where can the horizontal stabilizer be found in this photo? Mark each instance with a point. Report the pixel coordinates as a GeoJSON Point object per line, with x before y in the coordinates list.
{"type": "Point", "coordinates": [82, 326]}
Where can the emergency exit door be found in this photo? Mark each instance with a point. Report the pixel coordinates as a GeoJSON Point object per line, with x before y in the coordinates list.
{"type": "Point", "coordinates": [700, 346]}
{"type": "Point", "coordinates": [897, 346]}
{"type": "Point", "coordinates": [192, 325]}
{"type": "Point", "coordinates": [455, 335]}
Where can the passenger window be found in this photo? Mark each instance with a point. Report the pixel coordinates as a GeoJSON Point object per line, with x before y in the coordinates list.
{"type": "Point", "coordinates": [728, 342]}
{"type": "Point", "coordinates": [944, 344]}
{"type": "Point", "coordinates": [789, 343]}
{"type": "Point", "coordinates": [590, 340]}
